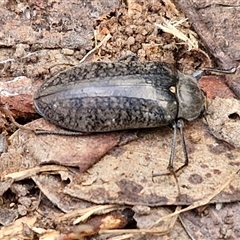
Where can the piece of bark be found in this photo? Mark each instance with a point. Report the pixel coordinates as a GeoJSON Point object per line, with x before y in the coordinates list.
{"type": "Point", "coordinates": [214, 23]}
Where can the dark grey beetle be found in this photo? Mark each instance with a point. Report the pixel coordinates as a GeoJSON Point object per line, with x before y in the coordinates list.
{"type": "Point", "coordinates": [102, 97]}
{"type": "Point", "coordinates": [108, 96]}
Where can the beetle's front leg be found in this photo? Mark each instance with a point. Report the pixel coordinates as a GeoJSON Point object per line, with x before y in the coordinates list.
{"type": "Point", "coordinates": [173, 148]}
{"type": "Point", "coordinates": [178, 125]}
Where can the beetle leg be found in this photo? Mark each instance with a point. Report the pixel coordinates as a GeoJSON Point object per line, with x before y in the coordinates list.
{"type": "Point", "coordinates": [178, 125]}
{"type": "Point", "coordinates": [172, 156]}
{"type": "Point", "coordinates": [3, 143]}
{"type": "Point", "coordinates": [59, 132]}
{"type": "Point", "coordinates": [173, 148]}
{"type": "Point", "coordinates": [130, 56]}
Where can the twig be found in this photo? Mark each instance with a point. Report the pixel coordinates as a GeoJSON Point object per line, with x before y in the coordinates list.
{"type": "Point", "coordinates": [96, 48]}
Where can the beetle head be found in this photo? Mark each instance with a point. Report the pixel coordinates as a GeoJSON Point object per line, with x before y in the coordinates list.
{"type": "Point", "coordinates": [190, 98]}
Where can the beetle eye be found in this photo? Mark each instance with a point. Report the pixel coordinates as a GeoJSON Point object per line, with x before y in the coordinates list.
{"type": "Point", "coordinates": [172, 89]}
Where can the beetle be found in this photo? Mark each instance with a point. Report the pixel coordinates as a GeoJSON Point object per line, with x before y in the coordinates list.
{"type": "Point", "coordinates": [102, 96]}
{"type": "Point", "coordinates": [109, 96]}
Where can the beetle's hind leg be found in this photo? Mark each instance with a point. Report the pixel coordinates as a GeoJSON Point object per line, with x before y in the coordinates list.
{"type": "Point", "coordinates": [59, 132]}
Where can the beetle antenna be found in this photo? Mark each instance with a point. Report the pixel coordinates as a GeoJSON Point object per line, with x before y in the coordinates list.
{"type": "Point", "coordinates": [198, 74]}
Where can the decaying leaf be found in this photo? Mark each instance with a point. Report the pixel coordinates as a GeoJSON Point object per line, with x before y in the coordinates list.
{"type": "Point", "coordinates": [223, 118]}
{"type": "Point", "coordinates": [125, 176]}
{"type": "Point", "coordinates": [220, 221]}
{"type": "Point", "coordinates": [34, 150]}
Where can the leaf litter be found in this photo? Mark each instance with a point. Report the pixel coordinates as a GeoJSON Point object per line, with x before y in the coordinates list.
{"type": "Point", "coordinates": [123, 176]}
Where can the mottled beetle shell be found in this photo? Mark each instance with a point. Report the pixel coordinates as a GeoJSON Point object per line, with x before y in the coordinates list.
{"type": "Point", "coordinates": [109, 96]}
